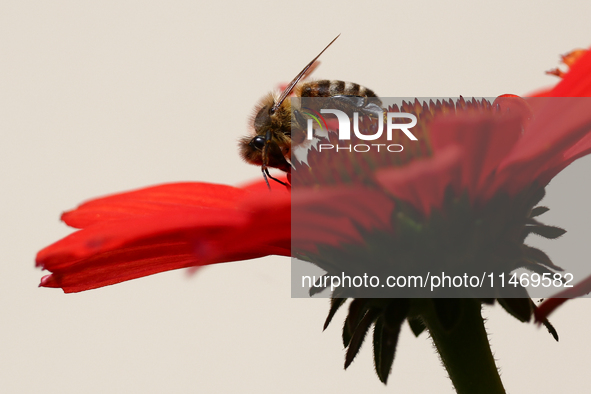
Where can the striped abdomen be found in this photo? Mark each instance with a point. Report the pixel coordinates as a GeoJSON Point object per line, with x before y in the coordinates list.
{"type": "Point", "coordinates": [326, 88]}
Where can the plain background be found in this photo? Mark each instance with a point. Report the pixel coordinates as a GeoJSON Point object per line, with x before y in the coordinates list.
{"type": "Point", "coordinates": [101, 97]}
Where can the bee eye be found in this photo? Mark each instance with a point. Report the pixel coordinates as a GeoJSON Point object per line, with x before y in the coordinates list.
{"type": "Point", "coordinates": [258, 142]}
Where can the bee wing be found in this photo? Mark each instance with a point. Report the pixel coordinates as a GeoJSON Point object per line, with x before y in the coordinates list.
{"type": "Point", "coordinates": [310, 70]}
{"type": "Point", "coordinates": [368, 105]}
{"type": "Point", "coordinates": [298, 77]}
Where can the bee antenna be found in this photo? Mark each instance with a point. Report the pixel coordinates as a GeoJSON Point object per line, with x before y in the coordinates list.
{"type": "Point", "coordinates": [293, 83]}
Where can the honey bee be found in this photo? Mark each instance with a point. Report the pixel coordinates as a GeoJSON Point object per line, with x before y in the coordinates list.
{"type": "Point", "coordinates": [278, 125]}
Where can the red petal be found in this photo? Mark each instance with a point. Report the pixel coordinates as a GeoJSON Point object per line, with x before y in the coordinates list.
{"type": "Point", "coordinates": [367, 208]}
{"type": "Point", "coordinates": [423, 182]}
{"type": "Point", "coordinates": [334, 216]}
{"type": "Point", "coordinates": [577, 82]}
{"type": "Point", "coordinates": [119, 265]}
{"type": "Point", "coordinates": [559, 125]}
{"type": "Point", "coordinates": [152, 200]}
{"type": "Point", "coordinates": [541, 93]}
{"type": "Point", "coordinates": [549, 305]}
{"type": "Point", "coordinates": [118, 250]}
{"type": "Point", "coordinates": [128, 263]}
{"type": "Point", "coordinates": [268, 227]}
{"type": "Point", "coordinates": [484, 140]}
{"type": "Point", "coordinates": [156, 229]}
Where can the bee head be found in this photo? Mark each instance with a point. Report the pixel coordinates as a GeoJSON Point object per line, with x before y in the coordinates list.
{"type": "Point", "coordinates": [271, 117]}
{"type": "Point", "coordinates": [264, 118]}
{"type": "Point", "coordinates": [251, 150]}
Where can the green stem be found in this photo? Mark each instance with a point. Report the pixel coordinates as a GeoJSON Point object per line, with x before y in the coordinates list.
{"type": "Point", "coordinates": [465, 351]}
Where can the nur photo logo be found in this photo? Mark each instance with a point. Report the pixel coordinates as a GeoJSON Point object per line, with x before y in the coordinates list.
{"type": "Point", "coordinates": [391, 119]}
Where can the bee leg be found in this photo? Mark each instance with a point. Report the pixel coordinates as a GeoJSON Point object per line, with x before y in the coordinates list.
{"type": "Point", "coordinates": [264, 167]}
{"type": "Point", "coordinates": [266, 174]}
{"type": "Point", "coordinates": [265, 156]}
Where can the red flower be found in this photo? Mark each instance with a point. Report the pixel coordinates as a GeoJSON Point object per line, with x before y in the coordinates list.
{"type": "Point", "coordinates": [488, 164]}
{"type": "Point", "coordinates": [139, 233]}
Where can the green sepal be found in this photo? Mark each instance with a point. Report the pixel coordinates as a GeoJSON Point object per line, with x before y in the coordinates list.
{"type": "Point", "coordinates": [359, 335]}
{"type": "Point", "coordinates": [416, 326]}
{"type": "Point", "coordinates": [519, 308]}
{"type": "Point", "coordinates": [396, 312]}
{"type": "Point", "coordinates": [346, 335]}
{"type": "Point", "coordinates": [550, 232]}
{"type": "Point", "coordinates": [540, 269]}
{"type": "Point", "coordinates": [537, 256]}
{"type": "Point", "coordinates": [537, 211]}
{"type": "Point", "coordinates": [386, 337]}
{"type": "Point", "coordinates": [547, 324]}
{"type": "Point", "coordinates": [357, 310]}
{"type": "Point", "coordinates": [335, 304]}
{"type": "Point", "coordinates": [377, 344]}
{"type": "Point", "coordinates": [538, 196]}
{"type": "Point", "coordinates": [551, 329]}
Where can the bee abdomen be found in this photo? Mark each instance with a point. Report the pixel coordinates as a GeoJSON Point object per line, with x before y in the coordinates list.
{"type": "Point", "coordinates": [326, 88]}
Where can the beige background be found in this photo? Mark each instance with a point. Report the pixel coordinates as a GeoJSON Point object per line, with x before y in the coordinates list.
{"type": "Point", "coordinates": [100, 97]}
